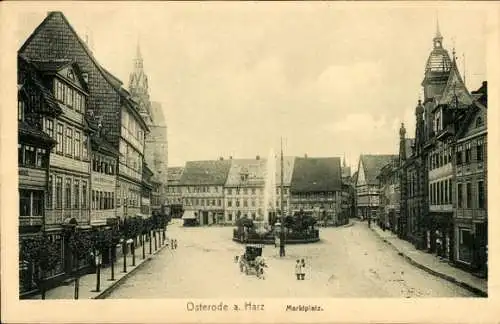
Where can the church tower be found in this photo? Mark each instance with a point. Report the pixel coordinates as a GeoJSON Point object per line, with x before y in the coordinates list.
{"type": "Point", "coordinates": [138, 87]}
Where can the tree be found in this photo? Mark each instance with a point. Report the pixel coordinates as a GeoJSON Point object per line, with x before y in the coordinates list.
{"type": "Point", "coordinates": [80, 243]}
{"type": "Point", "coordinates": [39, 251]}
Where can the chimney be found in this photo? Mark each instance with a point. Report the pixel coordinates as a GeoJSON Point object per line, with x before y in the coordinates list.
{"type": "Point", "coordinates": [257, 157]}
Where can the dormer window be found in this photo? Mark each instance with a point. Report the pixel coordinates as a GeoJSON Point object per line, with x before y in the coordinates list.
{"type": "Point", "coordinates": [71, 75]}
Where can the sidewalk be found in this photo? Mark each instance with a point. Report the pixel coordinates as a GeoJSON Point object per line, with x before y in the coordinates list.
{"type": "Point", "coordinates": [433, 264]}
{"type": "Point", "coordinates": [88, 281]}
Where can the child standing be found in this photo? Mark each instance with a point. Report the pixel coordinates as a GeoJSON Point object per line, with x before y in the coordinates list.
{"type": "Point", "coordinates": [298, 269]}
{"type": "Point", "coordinates": [302, 269]}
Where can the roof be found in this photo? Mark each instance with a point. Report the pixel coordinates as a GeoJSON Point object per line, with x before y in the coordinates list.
{"type": "Point", "coordinates": [51, 65]}
{"type": "Point", "coordinates": [254, 168]}
{"type": "Point", "coordinates": [100, 144]}
{"type": "Point", "coordinates": [157, 114]}
{"type": "Point", "coordinates": [112, 80]}
{"type": "Point", "coordinates": [373, 164]}
{"type": "Point", "coordinates": [38, 136]}
{"type": "Point", "coordinates": [205, 172]}
{"type": "Point", "coordinates": [174, 173]}
{"type": "Point", "coordinates": [316, 175]}
{"type": "Point", "coordinates": [33, 79]}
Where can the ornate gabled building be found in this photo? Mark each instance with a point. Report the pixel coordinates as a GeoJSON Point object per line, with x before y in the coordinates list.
{"type": "Point", "coordinates": [442, 181]}
{"type": "Point", "coordinates": [316, 189]}
{"type": "Point", "coordinates": [366, 186]}
{"type": "Point", "coordinates": [156, 145]}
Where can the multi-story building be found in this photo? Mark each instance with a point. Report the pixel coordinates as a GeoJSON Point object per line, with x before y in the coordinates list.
{"type": "Point", "coordinates": [35, 102]}
{"type": "Point", "coordinates": [367, 190]}
{"type": "Point", "coordinates": [147, 186]}
{"type": "Point", "coordinates": [55, 39]}
{"type": "Point", "coordinates": [102, 176]}
{"type": "Point", "coordinates": [471, 177]}
{"type": "Point", "coordinates": [244, 189]}
{"type": "Point", "coordinates": [316, 189]}
{"type": "Point", "coordinates": [438, 182]}
{"type": "Point", "coordinates": [174, 191]}
{"type": "Point", "coordinates": [202, 185]}
{"type": "Point", "coordinates": [388, 179]}
{"type": "Point", "coordinates": [156, 148]}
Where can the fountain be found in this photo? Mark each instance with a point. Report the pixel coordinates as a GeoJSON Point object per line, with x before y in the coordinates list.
{"type": "Point", "coordinates": [270, 187]}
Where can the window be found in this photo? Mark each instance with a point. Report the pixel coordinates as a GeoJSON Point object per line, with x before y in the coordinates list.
{"type": "Point", "coordinates": [59, 192]}
{"type": "Point", "coordinates": [445, 199]}
{"type": "Point", "coordinates": [77, 144]}
{"type": "Point", "coordinates": [112, 200]}
{"type": "Point", "coordinates": [480, 195]}
{"type": "Point", "coordinates": [76, 201]}
{"type": "Point", "coordinates": [237, 203]}
{"type": "Point", "coordinates": [50, 192]}
{"type": "Point", "coordinates": [245, 203]}
{"type": "Point", "coordinates": [59, 138]}
{"type": "Point", "coordinates": [41, 158]}
{"type": "Point", "coordinates": [229, 203]}
{"type": "Point", "coordinates": [441, 193]}
{"type": "Point", "coordinates": [20, 110]}
{"type": "Point", "coordinates": [468, 153]}
{"type": "Point", "coordinates": [69, 141]}
{"type": "Point", "coordinates": [450, 192]}
{"type": "Point", "coordinates": [24, 203]}
{"type": "Point", "coordinates": [468, 195]}
{"type": "Point", "coordinates": [67, 197]}
{"type": "Point", "coordinates": [459, 154]}
{"type": "Point", "coordinates": [459, 195]}
{"type": "Point", "coordinates": [480, 150]}
{"type": "Point", "coordinates": [84, 195]}
{"type": "Point", "coordinates": [93, 200]}
{"type": "Point", "coordinates": [29, 155]}
{"type": "Point", "coordinates": [49, 127]}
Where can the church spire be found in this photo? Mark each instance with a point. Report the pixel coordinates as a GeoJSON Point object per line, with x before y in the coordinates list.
{"type": "Point", "coordinates": [438, 39]}
{"type": "Point", "coordinates": [138, 56]}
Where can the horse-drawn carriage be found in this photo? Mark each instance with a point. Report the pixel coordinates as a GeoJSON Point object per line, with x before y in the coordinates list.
{"type": "Point", "coordinates": [252, 261]}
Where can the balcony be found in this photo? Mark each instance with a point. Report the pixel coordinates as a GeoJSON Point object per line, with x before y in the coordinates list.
{"type": "Point", "coordinates": [30, 220]}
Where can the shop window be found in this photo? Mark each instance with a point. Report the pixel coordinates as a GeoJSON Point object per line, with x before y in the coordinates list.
{"type": "Point", "coordinates": [465, 245]}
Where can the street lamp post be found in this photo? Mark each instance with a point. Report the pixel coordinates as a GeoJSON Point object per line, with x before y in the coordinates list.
{"type": "Point", "coordinates": [282, 241]}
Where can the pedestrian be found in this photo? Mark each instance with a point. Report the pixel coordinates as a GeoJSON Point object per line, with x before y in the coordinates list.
{"type": "Point", "coordinates": [302, 269]}
{"type": "Point", "coordinates": [172, 244]}
{"type": "Point", "coordinates": [175, 244]}
{"type": "Point", "coordinates": [276, 241]}
{"type": "Point", "coordinates": [298, 269]}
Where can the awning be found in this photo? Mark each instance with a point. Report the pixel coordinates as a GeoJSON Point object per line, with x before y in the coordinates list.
{"type": "Point", "coordinates": [188, 214]}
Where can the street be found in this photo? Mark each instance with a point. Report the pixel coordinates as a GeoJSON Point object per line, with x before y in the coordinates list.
{"type": "Point", "coordinates": [348, 262]}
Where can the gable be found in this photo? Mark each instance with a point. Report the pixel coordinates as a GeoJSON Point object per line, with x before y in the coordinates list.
{"type": "Point", "coordinates": [455, 87]}
{"type": "Point", "coordinates": [361, 180]}
{"type": "Point", "coordinates": [71, 74]}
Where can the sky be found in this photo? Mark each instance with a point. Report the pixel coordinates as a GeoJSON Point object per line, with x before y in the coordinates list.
{"type": "Point", "coordinates": [332, 79]}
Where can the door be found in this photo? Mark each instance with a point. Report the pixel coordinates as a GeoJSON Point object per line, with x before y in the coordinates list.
{"type": "Point", "coordinates": [205, 218]}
